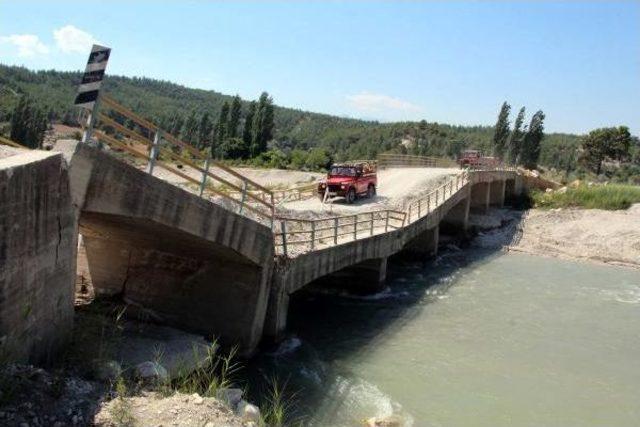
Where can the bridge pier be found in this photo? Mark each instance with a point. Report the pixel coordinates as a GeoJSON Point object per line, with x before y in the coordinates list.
{"type": "Point", "coordinates": [497, 193]}
{"type": "Point", "coordinates": [456, 221]}
{"type": "Point", "coordinates": [424, 246]}
{"type": "Point", "coordinates": [480, 196]}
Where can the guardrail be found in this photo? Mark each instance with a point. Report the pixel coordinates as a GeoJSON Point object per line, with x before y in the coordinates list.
{"type": "Point", "coordinates": [310, 234]}
{"type": "Point", "coordinates": [404, 160]}
{"type": "Point", "coordinates": [426, 204]}
{"type": "Point", "coordinates": [233, 187]}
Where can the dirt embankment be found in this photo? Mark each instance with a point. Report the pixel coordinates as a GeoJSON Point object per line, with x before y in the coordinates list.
{"type": "Point", "coordinates": [611, 237]}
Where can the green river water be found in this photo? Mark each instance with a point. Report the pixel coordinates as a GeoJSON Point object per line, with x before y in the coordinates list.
{"type": "Point", "coordinates": [472, 339]}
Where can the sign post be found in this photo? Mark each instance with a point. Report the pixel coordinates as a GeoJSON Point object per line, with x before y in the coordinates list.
{"type": "Point", "coordinates": [89, 89]}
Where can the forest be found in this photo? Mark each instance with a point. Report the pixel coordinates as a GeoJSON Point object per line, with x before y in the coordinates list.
{"type": "Point", "coordinates": [263, 134]}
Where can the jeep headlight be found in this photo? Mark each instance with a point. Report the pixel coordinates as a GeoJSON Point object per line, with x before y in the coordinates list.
{"type": "Point", "coordinates": [322, 185]}
{"type": "Point", "coordinates": [343, 187]}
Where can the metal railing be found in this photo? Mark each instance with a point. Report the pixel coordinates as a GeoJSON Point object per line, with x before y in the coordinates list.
{"type": "Point", "coordinates": [386, 160]}
{"type": "Point", "coordinates": [302, 235]}
{"type": "Point", "coordinates": [426, 204]}
{"type": "Point", "coordinates": [233, 187]}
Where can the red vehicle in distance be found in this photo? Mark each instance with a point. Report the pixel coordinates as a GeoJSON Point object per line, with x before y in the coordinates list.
{"type": "Point", "coordinates": [349, 180]}
{"type": "Point", "coordinates": [474, 159]}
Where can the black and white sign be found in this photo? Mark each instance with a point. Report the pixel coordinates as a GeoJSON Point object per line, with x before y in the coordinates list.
{"type": "Point", "coordinates": [92, 77]}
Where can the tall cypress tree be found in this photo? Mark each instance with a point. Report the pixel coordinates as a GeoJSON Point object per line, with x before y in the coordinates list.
{"type": "Point", "coordinates": [234, 117]}
{"type": "Point", "coordinates": [515, 139]}
{"type": "Point", "coordinates": [190, 129]}
{"type": "Point", "coordinates": [223, 123]}
{"type": "Point", "coordinates": [502, 130]}
{"type": "Point", "coordinates": [532, 139]}
{"type": "Point", "coordinates": [262, 127]}
{"type": "Point", "coordinates": [247, 131]}
{"type": "Point", "coordinates": [204, 131]}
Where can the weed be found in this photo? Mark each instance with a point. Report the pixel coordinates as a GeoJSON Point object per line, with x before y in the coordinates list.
{"type": "Point", "coordinates": [120, 411]}
{"type": "Point", "coordinates": [608, 197]}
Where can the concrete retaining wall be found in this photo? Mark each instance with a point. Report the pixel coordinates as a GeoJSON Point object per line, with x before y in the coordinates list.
{"type": "Point", "coordinates": [37, 256]}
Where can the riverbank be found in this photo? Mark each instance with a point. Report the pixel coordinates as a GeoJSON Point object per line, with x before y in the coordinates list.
{"type": "Point", "coordinates": [610, 237]}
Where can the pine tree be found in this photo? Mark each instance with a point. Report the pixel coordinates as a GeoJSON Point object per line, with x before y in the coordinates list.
{"type": "Point", "coordinates": [28, 124]}
{"type": "Point", "coordinates": [515, 139]}
{"type": "Point", "coordinates": [234, 117]}
{"type": "Point", "coordinates": [223, 123]}
{"type": "Point", "coordinates": [262, 127]}
{"type": "Point", "coordinates": [247, 132]}
{"type": "Point", "coordinates": [502, 130]}
{"type": "Point", "coordinates": [204, 131]}
{"type": "Point", "coordinates": [532, 139]}
{"type": "Point", "coordinates": [177, 121]}
{"type": "Point", "coordinates": [190, 129]}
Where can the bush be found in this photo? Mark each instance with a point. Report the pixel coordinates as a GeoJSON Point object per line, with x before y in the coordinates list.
{"type": "Point", "coordinates": [609, 197]}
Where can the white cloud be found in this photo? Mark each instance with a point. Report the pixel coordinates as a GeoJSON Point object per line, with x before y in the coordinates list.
{"type": "Point", "coordinates": [28, 45]}
{"type": "Point", "coordinates": [375, 103]}
{"type": "Point", "coordinates": [70, 39]}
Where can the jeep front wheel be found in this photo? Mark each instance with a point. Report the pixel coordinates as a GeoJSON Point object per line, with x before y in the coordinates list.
{"type": "Point", "coordinates": [371, 191]}
{"type": "Point", "coordinates": [351, 196]}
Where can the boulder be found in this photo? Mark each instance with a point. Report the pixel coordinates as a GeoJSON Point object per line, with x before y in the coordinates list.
{"type": "Point", "coordinates": [230, 396]}
{"type": "Point", "coordinates": [106, 370]}
{"type": "Point", "coordinates": [151, 371]}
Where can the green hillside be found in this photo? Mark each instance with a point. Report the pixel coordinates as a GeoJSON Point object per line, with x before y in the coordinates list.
{"type": "Point", "coordinates": [341, 138]}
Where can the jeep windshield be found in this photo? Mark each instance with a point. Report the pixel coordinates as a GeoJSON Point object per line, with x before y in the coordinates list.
{"type": "Point", "coordinates": [342, 171]}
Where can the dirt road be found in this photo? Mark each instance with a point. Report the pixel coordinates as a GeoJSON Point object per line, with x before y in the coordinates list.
{"type": "Point", "coordinates": [396, 188]}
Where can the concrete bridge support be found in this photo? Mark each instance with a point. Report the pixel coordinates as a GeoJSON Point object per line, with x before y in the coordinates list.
{"type": "Point", "coordinates": [456, 221]}
{"type": "Point", "coordinates": [480, 196]}
{"type": "Point", "coordinates": [424, 246]}
{"type": "Point", "coordinates": [189, 262]}
{"type": "Point", "coordinates": [497, 193]}
{"type": "Point", "coordinates": [37, 257]}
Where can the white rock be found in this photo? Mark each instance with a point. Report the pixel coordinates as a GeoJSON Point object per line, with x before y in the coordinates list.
{"type": "Point", "coordinates": [230, 396]}
{"type": "Point", "coordinates": [248, 411]}
{"type": "Point", "coordinates": [151, 371]}
{"type": "Point", "coordinates": [197, 399]}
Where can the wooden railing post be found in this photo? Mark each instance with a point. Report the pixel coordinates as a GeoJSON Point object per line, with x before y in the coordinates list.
{"type": "Point", "coordinates": [355, 227]}
{"type": "Point", "coordinates": [153, 153]}
{"type": "Point", "coordinates": [410, 204]}
{"type": "Point", "coordinates": [283, 230]}
{"type": "Point", "coordinates": [386, 222]}
{"type": "Point", "coordinates": [371, 230]}
{"type": "Point", "coordinates": [335, 231]}
{"type": "Point", "coordinates": [243, 196]}
{"type": "Point", "coordinates": [204, 175]}
{"type": "Point", "coordinates": [313, 234]}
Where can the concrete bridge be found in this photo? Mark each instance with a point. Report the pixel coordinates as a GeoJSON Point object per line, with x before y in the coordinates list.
{"type": "Point", "coordinates": [206, 267]}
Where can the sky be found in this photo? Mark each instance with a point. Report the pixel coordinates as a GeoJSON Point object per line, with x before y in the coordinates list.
{"type": "Point", "coordinates": [449, 62]}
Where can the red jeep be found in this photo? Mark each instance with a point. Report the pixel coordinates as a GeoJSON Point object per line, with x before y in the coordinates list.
{"type": "Point", "coordinates": [474, 159]}
{"type": "Point", "coordinates": [349, 180]}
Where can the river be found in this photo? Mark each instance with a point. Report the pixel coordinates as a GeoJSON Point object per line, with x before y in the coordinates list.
{"type": "Point", "coordinates": [471, 339]}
